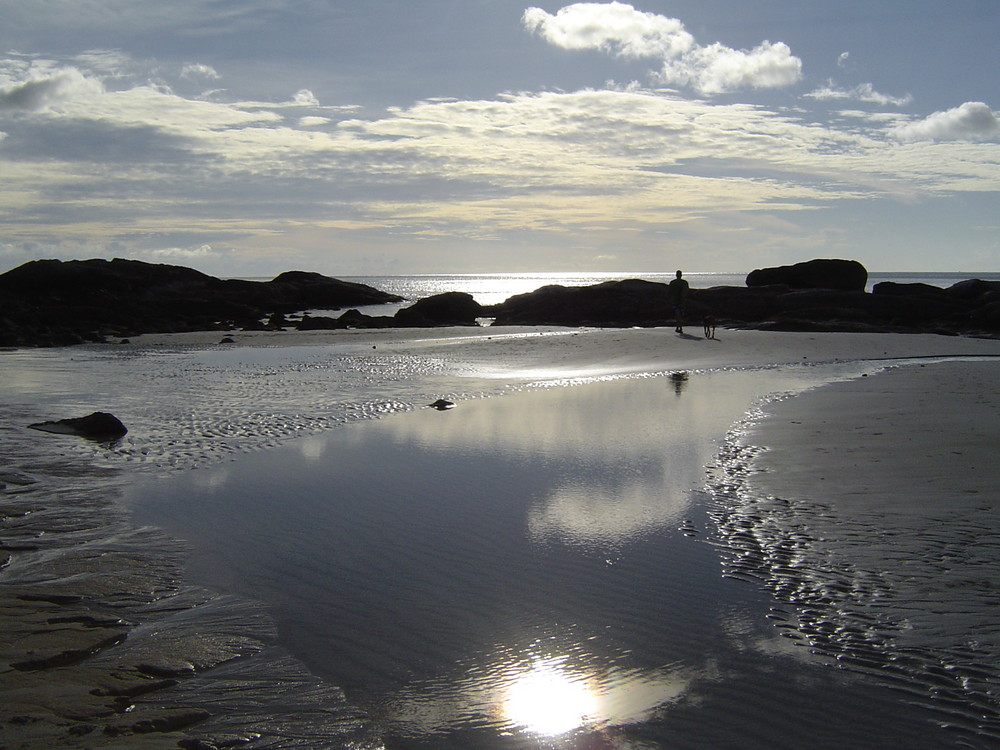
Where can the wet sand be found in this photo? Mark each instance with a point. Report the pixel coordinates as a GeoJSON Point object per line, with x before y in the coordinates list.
{"type": "Point", "coordinates": [871, 512]}
{"type": "Point", "coordinates": [88, 600]}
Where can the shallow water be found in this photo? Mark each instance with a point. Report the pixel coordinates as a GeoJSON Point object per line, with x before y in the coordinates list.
{"type": "Point", "coordinates": [524, 571]}
{"type": "Point", "coordinates": [537, 569]}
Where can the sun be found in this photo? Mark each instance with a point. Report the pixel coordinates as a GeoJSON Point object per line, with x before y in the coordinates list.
{"type": "Point", "coordinates": [549, 700]}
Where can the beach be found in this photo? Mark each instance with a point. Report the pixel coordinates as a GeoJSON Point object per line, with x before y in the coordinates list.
{"type": "Point", "coordinates": [766, 538]}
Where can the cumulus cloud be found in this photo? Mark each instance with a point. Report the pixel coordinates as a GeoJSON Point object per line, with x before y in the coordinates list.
{"type": "Point", "coordinates": [619, 29]}
{"type": "Point", "coordinates": [305, 98]}
{"type": "Point", "coordinates": [41, 92]}
{"type": "Point", "coordinates": [972, 121]}
{"type": "Point", "coordinates": [613, 27]}
{"type": "Point", "coordinates": [864, 92]}
{"type": "Point", "coordinates": [198, 70]}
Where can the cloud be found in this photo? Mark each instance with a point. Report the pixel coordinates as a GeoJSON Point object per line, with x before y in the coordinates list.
{"type": "Point", "coordinates": [42, 92]}
{"type": "Point", "coordinates": [612, 27]}
{"type": "Point", "coordinates": [305, 98]}
{"type": "Point", "coordinates": [972, 121]}
{"type": "Point", "coordinates": [198, 70]}
{"type": "Point", "coordinates": [864, 92]}
{"type": "Point", "coordinates": [311, 122]}
{"type": "Point", "coordinates": [186, 253]}
{"type": "Point", "coordinates": [717, 69]}
{"type": "Point", "coordinates": [619, 29]}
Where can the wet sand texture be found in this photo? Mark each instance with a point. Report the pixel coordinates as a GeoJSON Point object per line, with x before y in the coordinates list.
{"type": "Point", "coordinates": [870, 510]}
{"type": "Point", "coordinates": [103, 643]}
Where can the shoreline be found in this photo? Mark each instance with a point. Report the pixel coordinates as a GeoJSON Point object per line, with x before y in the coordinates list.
{"type": "Point", "coordinates": [871, 508]}
{"type": "Point", "coordinates": [540, 357]}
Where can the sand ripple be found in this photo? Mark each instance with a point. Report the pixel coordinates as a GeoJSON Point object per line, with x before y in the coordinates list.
{"type": "Point", "coordinates": [904, 592]}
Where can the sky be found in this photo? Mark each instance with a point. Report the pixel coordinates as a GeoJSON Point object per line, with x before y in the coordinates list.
{"type": "Point", "coordinates": [373, 137]}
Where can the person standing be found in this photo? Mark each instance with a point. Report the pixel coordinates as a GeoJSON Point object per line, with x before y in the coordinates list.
{"type": "Point", "coordinates": [677, 295]}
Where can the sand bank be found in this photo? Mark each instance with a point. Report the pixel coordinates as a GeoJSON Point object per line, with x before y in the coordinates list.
{"type": "Point", "coordinates": [86, 598]}
{"type": "Point", "coordinates": [871, 513]}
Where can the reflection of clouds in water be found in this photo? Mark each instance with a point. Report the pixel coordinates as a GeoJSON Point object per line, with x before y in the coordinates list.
{"type": "Point", "coordinates": [629, 420]}
{"type": "Point", "coordinates": [629, 452]}
{"type": "Point", "coordinates": [608, 517]}
{"type": "Point", "coordinates": [546, 696]}
{"type": "Point", "coordinates": [211, 479]}
{"type": "Point", "coordinates": [313, 448]}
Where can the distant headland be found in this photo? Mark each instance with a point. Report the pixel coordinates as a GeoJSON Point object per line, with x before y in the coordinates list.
{"type": "Point", "coordinates": [59, 303]}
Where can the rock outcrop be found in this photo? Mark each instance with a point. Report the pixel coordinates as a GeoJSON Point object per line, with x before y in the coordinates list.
{"type": "Point", "coordinates": [969, 307]}
{"type": "Point", "coordinates": [52, 303]}
{"type": "Point", "coordinates": [448, 309]}
{"type": "Point", "coordinates": [823, 273]}
{"type": "Point", "coordinates": [632, 302]}
{"type": "Point", "coordinates": [49, 303]}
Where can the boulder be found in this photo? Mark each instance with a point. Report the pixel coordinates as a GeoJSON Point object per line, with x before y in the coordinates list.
{"type": "Point", "coordinates": [97, 426]}
{"type": "Point", "coordinates": [898, 289]}
{"type": "Point", "coordinates": [612, 303]}
{"type": "Point", "coordinates": [813, 274]}
{"type": "Point", "coordinates": [975, 291]}
{"type": "Point", "coordinates": [448, 309]}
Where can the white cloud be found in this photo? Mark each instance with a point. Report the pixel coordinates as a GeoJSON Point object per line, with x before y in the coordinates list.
{"type": "Point", "coordinates": [619, 29]}
{"type": "Point", "coordinates": [199, 70]}
{"type": "Point", "coordinates": [43, 91]}
{"type": "Point", "coordinates": [717, 69]}
{"type": "Point", "coordinates": [972, 121]}
{"type": "Point", "coordinates": [864, 92]}
{"type": "Point", "coordinates": [186, 253]}
{"type": "Point", "coordinates": [612, 27]}
{"type": "Point", "coordinates": [305, 98]}
{"type": "Point", "coordinates": [310, 122]}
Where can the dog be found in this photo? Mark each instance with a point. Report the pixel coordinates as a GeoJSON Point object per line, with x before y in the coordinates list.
{"type": "Point", "coordinates": [709, 323]}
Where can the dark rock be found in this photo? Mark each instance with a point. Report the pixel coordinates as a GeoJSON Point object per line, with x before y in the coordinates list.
{"type": "Point", "coordinates": [612, 303]}
{"type": "Point", "coordinates": [56, 303]}
{"type": "Point", "coordinates": [813, 274]}
{"type": "Point", "coordinates": [442, 405]}
{"type": "Point", "coordinates": [97, 426]}
{"type": "Point", "coordinates": [732, 304]}
{"type": "Point", "coordinates": [897, 289]}
{"type": "Point", "coordinates": [350, 319]}
{"type": "Point", "coordinates": [899, 308]}
{"type": "Point", "coordinates": [975, 291]}
{"type": "Point", "coordinates": [986, 318]}
{"type": "Point", "coordinates": [448, 309]}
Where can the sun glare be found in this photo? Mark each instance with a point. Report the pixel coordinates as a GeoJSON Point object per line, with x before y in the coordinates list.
{"type": "Point", "coordinates": [549, 700]}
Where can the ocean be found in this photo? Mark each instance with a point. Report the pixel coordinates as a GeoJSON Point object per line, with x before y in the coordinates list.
{"type": "Point", "coordinates": [537, 568]}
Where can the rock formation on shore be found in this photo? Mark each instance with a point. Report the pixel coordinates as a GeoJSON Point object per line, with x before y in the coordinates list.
{"type": "Point", "coordinates": [821, 295]}
{"type": "Point", "coordinates": [447, 309]}
{"type": "Point", "coordinates": [53, 303]}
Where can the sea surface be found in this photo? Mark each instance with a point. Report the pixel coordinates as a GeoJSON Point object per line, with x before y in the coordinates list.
{"type": "Point", "coordinates": [539, 567]}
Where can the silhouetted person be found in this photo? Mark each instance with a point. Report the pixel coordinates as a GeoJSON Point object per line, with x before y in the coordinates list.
{"type": "Point", "coordinates": [677, 294]}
